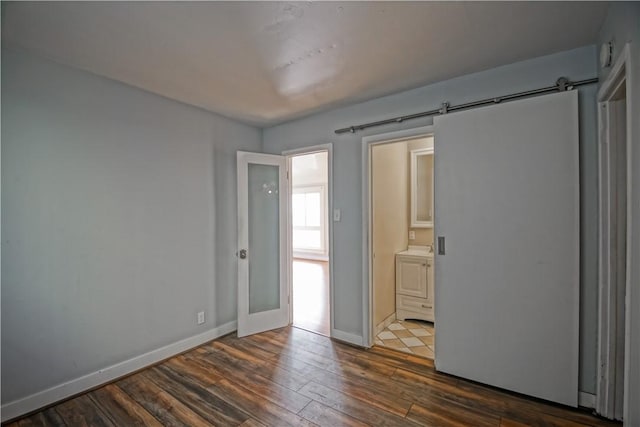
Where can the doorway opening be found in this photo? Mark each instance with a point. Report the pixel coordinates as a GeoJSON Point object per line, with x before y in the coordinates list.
{"type": "Point", "coordinates": [401, 244]}
{"type": "Point", "coordinates": [486, 217]}
{"type": "Point", "coordinates": [309, 237]}
{"type": "Point", "coordinates": [614, 256]}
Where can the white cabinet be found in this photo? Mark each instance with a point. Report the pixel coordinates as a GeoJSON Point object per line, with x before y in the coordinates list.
{"type": "Point", "coordinates": [414, 285]}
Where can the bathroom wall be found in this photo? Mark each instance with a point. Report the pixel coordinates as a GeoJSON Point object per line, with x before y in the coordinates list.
{"type": "Point", "coordinates": [390, 193]}
{"type": "Point", "coordinates": [424, 236]}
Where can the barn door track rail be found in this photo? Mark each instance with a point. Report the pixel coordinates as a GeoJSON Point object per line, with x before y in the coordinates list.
{"type": "Point", "coordinates": [562, 84]}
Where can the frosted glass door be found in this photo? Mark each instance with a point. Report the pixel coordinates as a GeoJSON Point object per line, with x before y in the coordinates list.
{"type": "Point", "coordinates": [262, 274]}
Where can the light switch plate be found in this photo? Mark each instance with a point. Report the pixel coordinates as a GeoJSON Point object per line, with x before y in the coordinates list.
{"type": "Point", "coordinates": [336, 215]}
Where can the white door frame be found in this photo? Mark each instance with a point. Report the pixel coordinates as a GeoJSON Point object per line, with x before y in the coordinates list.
{"type": "Point", "coordinates": [367, 284]}
{"type": "Point", "coordinates": [297, 152]}
{"type": "Point", "coordinates": [609, 346]}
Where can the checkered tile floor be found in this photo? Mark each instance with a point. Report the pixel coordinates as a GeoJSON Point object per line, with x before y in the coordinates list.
{"type": "Point", "coordinates": [410, 336]}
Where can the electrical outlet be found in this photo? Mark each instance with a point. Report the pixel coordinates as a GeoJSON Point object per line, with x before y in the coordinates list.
{"type": "Point", "coordinates": [412, 235]}
{"type": "Point", "coordinates": [200, 317]}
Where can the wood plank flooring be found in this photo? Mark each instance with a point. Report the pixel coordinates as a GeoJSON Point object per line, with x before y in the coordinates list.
{"type": "Point", "coordinates": [292, 377]}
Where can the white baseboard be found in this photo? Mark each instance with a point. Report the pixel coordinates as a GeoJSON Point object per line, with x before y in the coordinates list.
{"type": "Point", "coordinates": [386, 322]}
{"type": "Point", "coordinates": [347, 337]}
{"type": "Point", "coordinates": [586, 400]}
{"type": "Point", "coordinates": [70, 388]}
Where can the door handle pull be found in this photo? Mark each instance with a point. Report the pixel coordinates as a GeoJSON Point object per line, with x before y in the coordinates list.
{"type": "Point", "coordinates": [441, 250]}
{"type": "Point", "coordinates": [243, 254]}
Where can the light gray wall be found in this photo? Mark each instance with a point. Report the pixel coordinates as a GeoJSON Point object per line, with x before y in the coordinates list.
{"type": "Point", "coordinates": [622, 25]}
{"type": "Point", "coordinates": [118, 220]}
{"type": "Point", "coordinates": [317, 129]}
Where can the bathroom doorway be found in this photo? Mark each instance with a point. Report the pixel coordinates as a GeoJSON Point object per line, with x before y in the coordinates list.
{"type": "Point", "coordinates": [401, 244]}
{"type": "Point", "coordinates": [310, 243]}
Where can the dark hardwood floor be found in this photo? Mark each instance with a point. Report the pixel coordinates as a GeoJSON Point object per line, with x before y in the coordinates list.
{"type": "Point", "coordinates": [291, 377]}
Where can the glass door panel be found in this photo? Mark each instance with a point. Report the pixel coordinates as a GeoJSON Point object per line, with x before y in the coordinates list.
{"type": "Point", "coordinates": [264, 238]}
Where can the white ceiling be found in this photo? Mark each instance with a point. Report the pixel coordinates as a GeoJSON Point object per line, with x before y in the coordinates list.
{"type": "Point", "coordinates": [264, 63]}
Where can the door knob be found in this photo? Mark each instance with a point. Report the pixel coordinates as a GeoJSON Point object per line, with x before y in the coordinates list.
{"type": "Point", "coordinates": [243, 253]}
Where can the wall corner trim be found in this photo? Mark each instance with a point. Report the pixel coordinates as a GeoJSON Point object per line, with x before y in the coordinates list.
{"type": "Point", "coordinates": [586, 400]}
{"type": "Point", "coordinates": [70, 388]}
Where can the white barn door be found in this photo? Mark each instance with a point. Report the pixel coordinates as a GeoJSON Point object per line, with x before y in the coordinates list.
{"type": "Point", "coordinates": [507, 287]}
